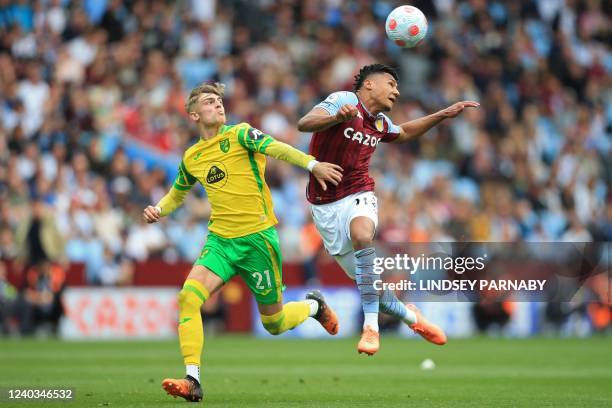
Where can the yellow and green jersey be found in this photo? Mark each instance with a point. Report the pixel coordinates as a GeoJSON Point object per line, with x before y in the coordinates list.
{"type": "Point", "coordinates": [231, 167]}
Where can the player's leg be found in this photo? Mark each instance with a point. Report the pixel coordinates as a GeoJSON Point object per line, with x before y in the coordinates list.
{"type": "Point", "coordinates": [277, 318]}
{"type": "Point", "coordinates": [199, 285]}
{"type": "Point", "coordinates": [360, 219]}
{"type": "Point", "coordinates": [362, 235]}
{"type": "Point", "coordinates": [391, 305]}
{"type": "Point", "coordinates": [388, 303]}
{"type": "Point", "coordinates": [333, 221]}
{"type": "Point", "coordinates": [260, 267]}
{"type": "Point", "coordinates": [210, 271]}
{"type": "Point", "coordinates": [362, 230]}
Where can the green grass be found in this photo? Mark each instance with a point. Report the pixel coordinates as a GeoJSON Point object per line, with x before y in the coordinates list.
{"type": "Point", "coordinates": [248, 372]}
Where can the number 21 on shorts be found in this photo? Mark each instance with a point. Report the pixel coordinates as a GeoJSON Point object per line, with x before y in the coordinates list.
{"type": "Point", "coordinates": [260, 278]}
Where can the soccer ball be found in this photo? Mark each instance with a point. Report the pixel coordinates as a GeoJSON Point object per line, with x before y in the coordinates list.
{"type": "Point", "coordinates": [406, 26]}
{"type": "Point", "coordinates": [428, 364]}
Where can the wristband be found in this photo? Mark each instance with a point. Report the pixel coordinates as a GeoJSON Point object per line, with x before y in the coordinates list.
{"type": "Point", "coordinates": [311, 165]}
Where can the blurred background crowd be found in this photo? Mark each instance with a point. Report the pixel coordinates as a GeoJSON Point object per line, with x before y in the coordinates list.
{"type": "Point", "coordinates": [92, 122]}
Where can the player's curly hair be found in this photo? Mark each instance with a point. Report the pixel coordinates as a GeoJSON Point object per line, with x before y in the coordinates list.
{"type": "Point", "coordinates": [216, 88]}
{"type": "Point", "coordinates": [368, 70]}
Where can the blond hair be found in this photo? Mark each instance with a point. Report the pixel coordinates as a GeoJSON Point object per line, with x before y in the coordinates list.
{"type": "Point", "coordinates": [217, 88]}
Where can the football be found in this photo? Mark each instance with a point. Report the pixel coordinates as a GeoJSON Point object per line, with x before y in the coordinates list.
{"type": "Point", "coordinates": [406, 26]}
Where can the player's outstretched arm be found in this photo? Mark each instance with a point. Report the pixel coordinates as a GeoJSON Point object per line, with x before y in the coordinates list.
{"type": "Point", "coordinates": [170, 202]}
{"type": "Point", "coordinates": [319, 119]}
{"type": "Point", "coordinates": [417, 127]}
{"type": "Point", "coordinates": [324, 172]}
{"type": "Point", "coordinates": [173, 199]}
{"type": "Point", "coordinates": [257, 141]}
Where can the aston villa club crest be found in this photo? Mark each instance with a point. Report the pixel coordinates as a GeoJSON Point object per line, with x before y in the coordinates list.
{"type": "Point", "coordinates": [380, 126]}
{"type": "Point", "coordinates": [224, 145]}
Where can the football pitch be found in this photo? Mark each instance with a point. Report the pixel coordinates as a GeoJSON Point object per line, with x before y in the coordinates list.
{"type": "Point", "coordinates": [241, 371]}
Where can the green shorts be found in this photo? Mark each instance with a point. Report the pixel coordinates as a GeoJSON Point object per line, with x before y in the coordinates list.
{"type": "Point", "coordinates": [255, 257]}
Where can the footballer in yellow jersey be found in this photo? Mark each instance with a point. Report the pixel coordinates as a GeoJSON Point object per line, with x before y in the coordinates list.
{"type": "Point", "coordinates": [229, 161]}
{"type": "Point", "coordinates": [231, 168]}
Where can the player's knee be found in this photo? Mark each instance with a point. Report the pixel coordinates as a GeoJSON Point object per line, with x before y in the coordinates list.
{"type": "Point", "coordinates": [361, 239]}
{"type": "Point", "coordinates": [362, 232]}
{"type": "Point", "coordinates": [273, 323]}
{"type": "Point", "coordinates": [272, 328]}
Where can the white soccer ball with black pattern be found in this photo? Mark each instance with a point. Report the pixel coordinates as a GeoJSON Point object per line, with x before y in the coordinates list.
{"type": "Point", "coordinates": [406, 26]}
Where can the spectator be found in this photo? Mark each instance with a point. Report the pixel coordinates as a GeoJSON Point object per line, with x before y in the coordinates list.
{"type": "Point", "coordinates": [8, 295]}
{"type": "Point", "coordinates": [40, 301]}
{"type": "Point", "coordinates": [38, 237]}
{"type": "Point", "coordinates": [91, 101]}
{"type": "Point", "coordinates": [116, 270]}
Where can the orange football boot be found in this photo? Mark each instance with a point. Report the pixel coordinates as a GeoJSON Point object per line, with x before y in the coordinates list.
{"type": "Point", "coordinates": [188, 388]}
{"type": "Point", "coordinates": [325, 315]}
{"type": "Point", "coordinates": [369, 342]}
{"type": "Point", "coordinates": [429, 331]}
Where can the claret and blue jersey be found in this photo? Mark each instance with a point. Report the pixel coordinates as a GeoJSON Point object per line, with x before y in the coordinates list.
{"type": "Point", "coordinates": [349, 144]}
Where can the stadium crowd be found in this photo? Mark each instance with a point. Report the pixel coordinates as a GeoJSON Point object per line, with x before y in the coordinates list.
{"type": "Point", "coordinates": [92, 121]}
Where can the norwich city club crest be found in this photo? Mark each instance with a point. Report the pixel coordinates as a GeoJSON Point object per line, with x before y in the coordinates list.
{"type": "Point", "coordinates": [224, 145]}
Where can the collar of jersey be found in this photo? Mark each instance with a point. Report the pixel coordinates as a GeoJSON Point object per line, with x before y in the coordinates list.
{"type": "Point", "coordinates": [367, 111]}
{"type": "Point", "coordinates": [224, 129]}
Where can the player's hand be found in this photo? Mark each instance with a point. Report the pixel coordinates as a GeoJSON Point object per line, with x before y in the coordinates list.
{"type": "Point", "coordinates": [346, 112]}
{"type": "Point", "coordinates": [324, 171]}
{"type": "Point", "coordinates": [456, 108]}
{"type": "Point", "coordinates": [151, 214]}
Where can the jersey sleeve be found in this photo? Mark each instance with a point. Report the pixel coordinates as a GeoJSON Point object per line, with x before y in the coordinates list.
{"type": "Point", "coordinates": [256, 141]}
{"type": "Point", "coordinates": [336, 100]}
{"type": "Point", "coordinates": [253, 139]}
{"type": "Point", "coordinates": [184, 180]}
{"type": "Point", "coordinates": [177, 193]}
{"type": "Point", "coordinates": [392, 130]}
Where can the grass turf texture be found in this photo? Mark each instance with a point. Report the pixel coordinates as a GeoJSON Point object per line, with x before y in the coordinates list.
{"type": "Point", "coordinates": [249, 372]}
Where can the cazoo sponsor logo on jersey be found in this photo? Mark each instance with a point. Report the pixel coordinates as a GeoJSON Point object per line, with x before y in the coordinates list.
{"type": "Point", "coordinates": [363, 138]}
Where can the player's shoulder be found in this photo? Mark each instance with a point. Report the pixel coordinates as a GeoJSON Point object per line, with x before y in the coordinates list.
{"type": "Point", "coordinates": [236, 130]}
{"type": "Point", "coordinates": [390, 126]}
{"type": "Point", "coordinates": [252, 133]}
{"type": "Point", "coordinates": [336, 100]}
{"type": "Point", "coordinates": [342, 98]}
{"type": "Point", "coordinates": [190, 151]}
{"type": "Point", "coordinates": [231, 131]}
{"type": "Point", "coordinates": [240, 128]}
{"type": "Point", "coordinates": [191, 155]}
